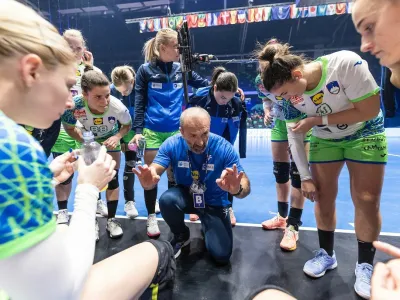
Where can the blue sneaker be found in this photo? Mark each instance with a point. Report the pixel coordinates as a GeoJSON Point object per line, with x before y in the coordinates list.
{"type": "Point", "coordinates": [363, 280]}
{"type": "Point", "coordinates": [178, 242]}
{"type": "Point", "coordinates": [322, 262]}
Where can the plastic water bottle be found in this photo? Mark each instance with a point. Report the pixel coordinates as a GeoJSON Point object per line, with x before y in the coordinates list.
{"type": "Point", "coordinates": [139, 148]}
{"type": "Point", "coordinates": [90, 150]}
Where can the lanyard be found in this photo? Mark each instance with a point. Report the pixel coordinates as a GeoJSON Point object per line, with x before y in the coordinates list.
{"type": "Point", "coordinates": [191, 165]}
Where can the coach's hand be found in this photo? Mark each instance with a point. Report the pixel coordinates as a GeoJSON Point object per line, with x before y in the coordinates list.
{"type": "Point", "coordinates": [148, 176]}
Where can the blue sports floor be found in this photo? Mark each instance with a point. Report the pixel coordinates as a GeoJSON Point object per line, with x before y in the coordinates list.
{"type": "Point", "coordinates": [259, 205]}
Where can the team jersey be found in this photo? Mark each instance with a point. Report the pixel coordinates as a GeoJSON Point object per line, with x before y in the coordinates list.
{"type": "Point", "coordinates": [345, 80]}
{"type": "Point", "coordinates": [277, 101]}
{"type": "Point", "coordinates": [77, 89]}
{"type": "Point", "coordinates": [102, 126]}
{"type": "Point", "coordinates": [26, 191]}
{"type": "Point", "coordinates": [159, 96]}
{"type": "Point", "coordinates": [128, 101]}
{"type": "Point", "coordinates": [218, 155]}
{"type": "Point", "coordinates": [225, 119]}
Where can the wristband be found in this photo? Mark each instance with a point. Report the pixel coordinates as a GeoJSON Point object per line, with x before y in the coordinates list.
{"type": "Point", "coordinates": [325, 120]}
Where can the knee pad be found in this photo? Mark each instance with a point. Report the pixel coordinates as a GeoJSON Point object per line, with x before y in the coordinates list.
{"type": "Point", "coordinates": [281, 171]}
{"type": "Point", "coordinates": [130, 160]}
{"type": "Point", "coordinates": [68, 181]}
{"type": "Point", "coordinates": [295, 176]}
{"type": "Point", "coordinates": [114, 184]}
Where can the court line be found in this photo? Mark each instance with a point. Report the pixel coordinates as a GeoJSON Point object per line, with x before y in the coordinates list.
{"type": "Point", "coordinates": [255, 225]}
{"type": "Point", "coordinates": [394, 155]}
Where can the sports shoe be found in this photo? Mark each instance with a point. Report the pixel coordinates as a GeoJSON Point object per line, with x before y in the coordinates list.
{"type": "Point", "coordinates": [62, 217]}
{"type": "Point", "coordinates": [102, 208]}
{"type": "Point", "coordinates": [290, 238]}
{"type": "Point", "coordinates": [114, 228]}
{"type": "Point", "coordinates": [130, 210]}
{"type": "Point", "coordinates": [274, 223]}
{"type": "Point", "coordinates": [363, 280]}
{"type": "Point", "coordinates": [157, 207]}
{"type": "Point", "coordinates": [97, 231]}
{"type": "Point", "coordinates": [180, 241]}
{"type": "Point", "coordinates": [321, 263]}
{"type": "Point", "coordinates": [152, 226]}
{"type": "Point", "coordinates": [232, 216]}
{"type": "Point", "coordinates": [193, 217]}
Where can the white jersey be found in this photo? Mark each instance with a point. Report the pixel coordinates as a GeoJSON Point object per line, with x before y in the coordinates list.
{"type": "Point", "coordinates": [276, 100]}
{"type": "Point", "coordinates": [77, 89]}
{"type": "Point", "coordinates": [345, 80]}
{"type": "Point", "coordinates": [103, 126]}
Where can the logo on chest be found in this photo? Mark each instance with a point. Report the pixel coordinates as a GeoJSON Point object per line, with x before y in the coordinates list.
{"type": "Point", "coordinates": [296, 100]}
{"type": "Point", "coordinates": [156, 85]}
{"type": "Point", "coordinates": [178, 85]}
{"type": "Point", "coordinates": [79, 113]}
{"type": "Point", "coordinates": [111, 120]}
{"type": "Point", "coordinates": [333, 87]}
{"type": "Point", "coordinates": [318, 98]}
{"type": "Point", "coordinates": [97, 121]}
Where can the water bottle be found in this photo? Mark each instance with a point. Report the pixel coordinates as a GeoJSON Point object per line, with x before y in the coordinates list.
{"type": "Point", "coordinates": [139, 148]}
{"type": "Point", "coordinates": [90, 150]}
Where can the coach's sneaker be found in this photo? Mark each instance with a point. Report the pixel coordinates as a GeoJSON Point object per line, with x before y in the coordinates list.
{"type": "Point", "coordinates": [102, 208]}
{"type": "Point", "coordinates": [290, 238]}
{"type": "Point", "coordinates": [114, 228]}
{"type": "Point", "coordinates": [62, 217]}
{"type": "Point", "coordinates": [152, 226]}
{"type": "Point", "coordinates": [275, 223]}
{"type": "Point", "coordinates": [232, 217]}
{"type": "Point", "coordinates": [130, 210]}
{"type": "Point", "coordinates": [157, 207]}
{"type": "Point", "coordinates": [321, 263]}
{"type": "Point", "coordinates": [97, 231]}
{"type": "Point", "coordinates": [180, 241]}
{"type": "Point", "coordinates": [363, 280]}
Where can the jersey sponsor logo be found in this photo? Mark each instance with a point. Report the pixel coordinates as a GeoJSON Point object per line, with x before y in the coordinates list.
{"type": "Point", "coordinates": [178, 85]}
{"type": "Point", "coordinates": [183, 164]}
{"type": "Point", "coordinates": [296, 100]}
{"type": "Point", "coordinates": [324, 109]}
{"type": "Point", "coordinates": [333, 87]}
{"type": "Point", "coordinates": [235, 119]}
{"type": "Point", "coordinates": [318, 98]}
{"type": "Point", "coordinates": [224, 120]}
{"type": "Point", "coordinates": [78, 73]}
{"type": "Point", "coordinates": [156, 85]}
{"type": "Point", "coordinates": [97, 121]}
{"type": "Point", "coordinates": [111, 120]}
{"type": "Point", "coordinates": [278, 98]}
{"type": "Point", "coordinates": [210, 167]}
{"type": "Point", "coordinates": [79, 113]}
{"type": "Point", "coordinates": [342, 126]}
{"type": "Point", "coordinates": [359, 63]}
{"type": "Point", "coordinates": [74, 92]}
{"type": "Point", "coordinates": [195, 175]}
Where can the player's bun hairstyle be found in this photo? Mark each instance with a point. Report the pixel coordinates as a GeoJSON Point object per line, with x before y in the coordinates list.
{"type": "Point", "coordinates": [91, 79]}
{"type": "Point", "coordinates": [224, 80]}
{"type": "Point", "coordinates": [279, 63]}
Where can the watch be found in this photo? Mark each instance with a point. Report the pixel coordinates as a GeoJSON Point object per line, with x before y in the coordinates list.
{"type": "Point", "coordinates": [240, 190]}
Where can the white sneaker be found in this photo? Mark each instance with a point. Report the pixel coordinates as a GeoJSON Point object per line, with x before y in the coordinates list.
{"type": "Point", "coordinates": [157, 207]}
{"type": "Point", "coordinates": [97, 230]}
{"type": "Point", "coordinates": [62, 217]}
{"type": "Point", "coordinates": [114, 228]}
{"type": "Point", "coordinates": [102, 208]}
{"type": "Point", "coordinates": [152, 226]}
{"type": "Point", "coordinates": [130, 210]}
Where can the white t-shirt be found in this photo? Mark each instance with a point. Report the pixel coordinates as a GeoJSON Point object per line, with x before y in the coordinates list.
{"type": "Point", "coordinates": [103, 126]}
{"type": "Point", "coordinates": [345, 80]}
{"type": "Point", "coordinates": [77, 89]}
{"type": "Point", "coordinates": [276, 100]}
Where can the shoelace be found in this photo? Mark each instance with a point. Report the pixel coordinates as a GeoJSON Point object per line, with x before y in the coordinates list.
{"type": "Point", "coordinates": [319, 258]}
{"type": "Point", "coordinates": [152, 221]}
{"type": "Point", "coordinates": [114, 223]}
{"type": "Point", "coordinates": [130, 205]}
{"type": "Point", "coordinates": [365, 272]}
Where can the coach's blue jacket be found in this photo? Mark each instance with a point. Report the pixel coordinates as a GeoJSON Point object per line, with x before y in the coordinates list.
{"type": "Point", "coordinates": [226, 120]}
{"type": "Point", "coordinates": [159, 96]}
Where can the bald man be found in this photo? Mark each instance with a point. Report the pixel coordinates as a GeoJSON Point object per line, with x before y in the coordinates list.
{"type": "Point", "coordinates": [206, 169]}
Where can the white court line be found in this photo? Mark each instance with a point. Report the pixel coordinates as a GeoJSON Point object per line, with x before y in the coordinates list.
{"type": "Point", "coordinates": [255, 225]}
{"type": "Point", "coordinates": [394, 155]}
